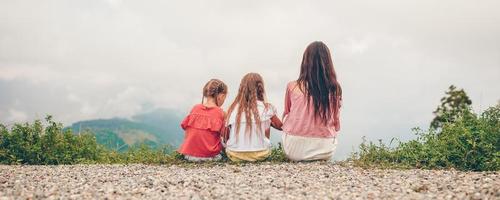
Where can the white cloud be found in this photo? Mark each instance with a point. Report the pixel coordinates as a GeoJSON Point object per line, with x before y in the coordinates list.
{"type": "Point", "coordinates": [16, 116]}
{"type": "Point", "coordinates": [127, 102]}
{"type": "Point", "coordinates": [114, 2]}
{"type": "Point", "coordinates": [359, 46]}
{"type": "Point", "coordinates": [32, 73]}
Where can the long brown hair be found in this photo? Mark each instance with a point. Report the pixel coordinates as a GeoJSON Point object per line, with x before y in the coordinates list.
{"type": "Point", "coordinates": [251, 90]}
{"type": "Point", "coordinates": [318, 81]}
{"type": "Point", "coordinates": [213, 88]}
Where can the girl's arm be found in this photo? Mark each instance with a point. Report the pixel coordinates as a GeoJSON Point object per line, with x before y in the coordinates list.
{"type": "Point", "coordinates": [184, 122]}
{"type": "Point", "coordinates": [276, 123]}
{"type": "Point", "coordinates": [225, 133]}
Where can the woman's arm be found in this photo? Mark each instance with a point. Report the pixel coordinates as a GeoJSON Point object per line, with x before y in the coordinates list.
{"type": "Point", "coordinates": [337, 116]}
{"type": "Point", "coordinates": [276, 123]}
{"type": "Point", "coordinates": [288, 103]}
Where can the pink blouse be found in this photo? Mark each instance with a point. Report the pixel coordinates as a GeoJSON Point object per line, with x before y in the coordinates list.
{"type": "Point", "coordinates": [299, 117]}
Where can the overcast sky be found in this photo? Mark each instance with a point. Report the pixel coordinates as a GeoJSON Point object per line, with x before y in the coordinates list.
{"type": "Point", "coordinates": [93, 59]}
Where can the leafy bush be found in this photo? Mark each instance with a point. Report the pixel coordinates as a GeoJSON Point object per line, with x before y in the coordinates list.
{"type": "Point", "coordinates": [34, 144]}
{"type": "Point", "coordinates": [470, 142]}
{"type": "Point", "coordinates": [51, 145]}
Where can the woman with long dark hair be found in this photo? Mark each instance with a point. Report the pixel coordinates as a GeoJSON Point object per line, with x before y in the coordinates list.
{"type": "Point", "coordinates": [312, 103]}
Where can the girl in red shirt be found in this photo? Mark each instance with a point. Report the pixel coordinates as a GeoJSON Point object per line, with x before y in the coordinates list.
{"type": "Point", "coordinates": [203, 125]}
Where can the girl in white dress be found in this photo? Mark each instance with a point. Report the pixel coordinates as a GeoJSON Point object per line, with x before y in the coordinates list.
{"type": "Point", "coordinates": [249, 119]}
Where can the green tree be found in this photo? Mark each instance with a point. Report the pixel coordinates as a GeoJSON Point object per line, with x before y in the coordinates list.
{"type": "Point", "coordinates": [452, 105]}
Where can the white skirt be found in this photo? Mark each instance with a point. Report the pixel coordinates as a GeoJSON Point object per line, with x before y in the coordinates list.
{"type": "Point", "coordinates": [298, 148]}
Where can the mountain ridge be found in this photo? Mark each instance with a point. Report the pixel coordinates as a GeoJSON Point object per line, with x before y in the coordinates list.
{"type": "Point", "coordinates": [155, 128]}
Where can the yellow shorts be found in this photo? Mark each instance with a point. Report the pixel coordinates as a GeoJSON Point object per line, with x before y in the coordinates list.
{"type": "Point", "coordinates": [250, 156]}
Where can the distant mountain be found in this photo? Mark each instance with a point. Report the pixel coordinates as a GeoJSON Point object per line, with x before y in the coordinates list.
{"type": "Point", "coordinates": [156, 128]}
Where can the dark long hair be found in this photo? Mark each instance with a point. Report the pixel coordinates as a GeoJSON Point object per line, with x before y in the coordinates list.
{"type": "Point", "coordinates": [318, 81]}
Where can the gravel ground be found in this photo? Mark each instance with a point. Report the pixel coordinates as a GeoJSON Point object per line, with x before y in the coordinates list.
{"type": "Point", "coordinates": [317, 180]}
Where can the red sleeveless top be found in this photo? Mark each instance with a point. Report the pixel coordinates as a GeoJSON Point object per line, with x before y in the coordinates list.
{"type": "Point", "coordinates": [202, 131]}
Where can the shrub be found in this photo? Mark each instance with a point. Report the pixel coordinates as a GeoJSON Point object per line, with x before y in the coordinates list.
{"type": "Point", "coordinates": [470, 142]}
{"type": "Point", "coordinates": [452, 105]}
{"type": "Point", "coordinates": [33, 144]}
